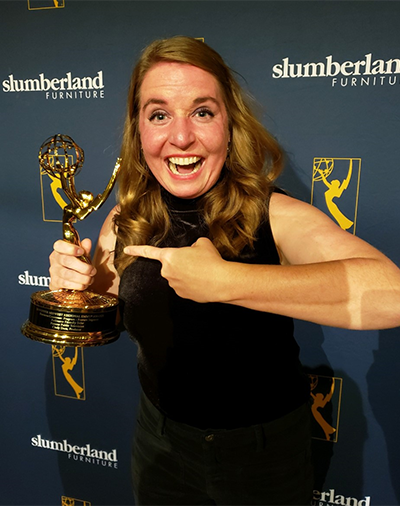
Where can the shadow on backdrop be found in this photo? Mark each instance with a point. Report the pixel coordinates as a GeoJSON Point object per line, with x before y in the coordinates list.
{"type": "Point", "coordinates": [340, 408]}
{"type": "Point", "coordinates": [384, 396]}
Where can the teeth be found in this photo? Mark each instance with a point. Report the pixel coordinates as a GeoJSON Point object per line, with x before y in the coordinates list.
{"type": "Point", "coordinates": [184, 161]}
{"type": "Point", "coordinates": [174, 162]}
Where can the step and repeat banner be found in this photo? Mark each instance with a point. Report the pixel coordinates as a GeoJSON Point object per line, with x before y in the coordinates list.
{"type": "Point", "coordinates": [326, 76]}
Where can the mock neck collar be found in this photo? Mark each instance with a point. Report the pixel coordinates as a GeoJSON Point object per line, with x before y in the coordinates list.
{"type": "Point", "coordinates": [178, 204]}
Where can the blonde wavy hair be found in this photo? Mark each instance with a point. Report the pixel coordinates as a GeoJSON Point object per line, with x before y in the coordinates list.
{"type": "Point", "coordinates": [236, 206]}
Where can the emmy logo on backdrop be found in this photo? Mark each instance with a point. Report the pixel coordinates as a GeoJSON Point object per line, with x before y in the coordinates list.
{"type": "Point", "coordinates": [335, 188]}
{"type": "Point", "coordinates": [69, 378]}
{"type": "Point", "coordinates": [70, 317]}
{"type": "Point", "coordinates": [325, 394]}
{"type": "Point", "coordinates": [51, 196]}
{"type": "Point", "coordinates": [71, 501]}
{"type": "Point", "coordinates": [35, 5]}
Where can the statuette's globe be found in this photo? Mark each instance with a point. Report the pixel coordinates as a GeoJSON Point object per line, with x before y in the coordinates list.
{"type": "Point", "coordinates": [61, 156]}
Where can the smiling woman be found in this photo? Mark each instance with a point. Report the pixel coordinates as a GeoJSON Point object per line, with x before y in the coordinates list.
{"type": "Point", "coordinates": [184, 101]}
{"type": "Point", "coordinates": [212, 263]}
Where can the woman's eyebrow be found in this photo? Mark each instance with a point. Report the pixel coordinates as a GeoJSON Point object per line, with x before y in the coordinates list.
{"type": "Point", "coordinates": [196, 101]}
{"type": "Point", "coordinates": [200, 100]}
{"type": "Point", "coordinates": [158, 101]}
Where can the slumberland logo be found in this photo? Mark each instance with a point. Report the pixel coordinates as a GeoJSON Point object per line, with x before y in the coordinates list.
{"type": "Point", "coordinates": [58, 88]}
{"type": "Point", "coordinates": [28, 279]}
{"type": "Point", "coordinates": [85, 454]}
{"type": "Point", "coordinates": [367, 71]}
{"type": "Point", "coordinates": [331, 497]}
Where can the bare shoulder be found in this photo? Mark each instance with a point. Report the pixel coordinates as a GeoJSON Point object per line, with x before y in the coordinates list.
{"type": "Point", "coordinates": [304, 234]}
{"type": "Point", "coordinates": [288, 213]}
{"type": "Point", "coordinates": [107, 236]}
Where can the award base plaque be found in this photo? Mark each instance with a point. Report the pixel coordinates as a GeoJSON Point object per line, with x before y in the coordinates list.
{"type": "Point", "coordinates": [72, 318]}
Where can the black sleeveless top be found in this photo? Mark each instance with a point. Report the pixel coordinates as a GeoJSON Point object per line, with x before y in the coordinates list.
{"type": "Point", "coordinates": [210, 365]}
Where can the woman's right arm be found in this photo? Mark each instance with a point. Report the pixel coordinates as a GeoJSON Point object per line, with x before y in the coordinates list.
{"type": "Point", "coordinates": [68, 271]}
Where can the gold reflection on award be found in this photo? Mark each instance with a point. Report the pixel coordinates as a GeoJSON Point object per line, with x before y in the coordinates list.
{"type": "Point", "coordinates": [71, 317]}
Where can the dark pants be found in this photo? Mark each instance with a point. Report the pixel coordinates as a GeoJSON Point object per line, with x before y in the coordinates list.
{"type": "Point", "coordinates": [267, 464]}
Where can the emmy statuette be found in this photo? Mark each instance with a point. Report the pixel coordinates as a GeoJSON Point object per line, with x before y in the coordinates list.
{"type": "Point", "coordinates": [71, 317]}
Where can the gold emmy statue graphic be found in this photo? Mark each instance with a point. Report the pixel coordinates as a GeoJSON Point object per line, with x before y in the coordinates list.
{"type": "Point", "coordinates": [71, 317]}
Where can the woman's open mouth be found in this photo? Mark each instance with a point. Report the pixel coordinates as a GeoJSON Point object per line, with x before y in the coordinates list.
{"type": "Point", "coordinates": [184, 166]}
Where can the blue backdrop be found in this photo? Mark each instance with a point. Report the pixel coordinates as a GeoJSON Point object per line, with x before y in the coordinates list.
{"type": "Point", "coordinates": [326, 76]}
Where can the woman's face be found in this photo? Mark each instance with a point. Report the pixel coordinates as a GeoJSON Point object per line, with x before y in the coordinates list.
{"type": "Point", "coordinates": [183, 126]}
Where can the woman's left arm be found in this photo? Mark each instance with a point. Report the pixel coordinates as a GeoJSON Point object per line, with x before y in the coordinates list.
{"type": "Point", "coordinates": [327, 276]}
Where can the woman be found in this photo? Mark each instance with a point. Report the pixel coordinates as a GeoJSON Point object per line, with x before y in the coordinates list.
{"type": "Point", "coordinates": [211, 264]}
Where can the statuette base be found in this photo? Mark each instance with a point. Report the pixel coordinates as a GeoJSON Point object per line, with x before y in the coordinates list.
{"type": "Point", "coordinates": [72, 318]}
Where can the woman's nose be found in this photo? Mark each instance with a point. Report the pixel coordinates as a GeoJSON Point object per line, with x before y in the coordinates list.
{"type": "Point", "coordinates": [182, 134]}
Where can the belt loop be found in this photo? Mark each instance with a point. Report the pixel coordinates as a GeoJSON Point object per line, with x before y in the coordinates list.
{"type": "Point", "coordinates": [260, 438]}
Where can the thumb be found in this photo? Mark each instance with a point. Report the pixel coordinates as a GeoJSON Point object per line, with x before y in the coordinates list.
{"type": "Point", "coordinates": [202, 241]}
{"type": "Point", "coordinates": [86, 244]}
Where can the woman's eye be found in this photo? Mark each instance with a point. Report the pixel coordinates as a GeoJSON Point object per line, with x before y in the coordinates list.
{"type": "Point", "coordinates": [157, 116]}
{"type": "Point", "coordinates": [204, 112]}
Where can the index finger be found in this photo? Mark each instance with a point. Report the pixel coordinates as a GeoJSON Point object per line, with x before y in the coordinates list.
{"type": "Point", "coordinates": [151, 252]}
{"type": "Point", "coordinates": [68, 248]}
